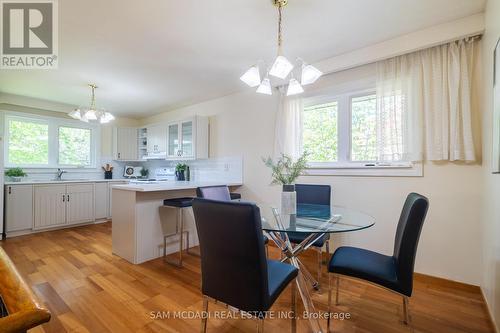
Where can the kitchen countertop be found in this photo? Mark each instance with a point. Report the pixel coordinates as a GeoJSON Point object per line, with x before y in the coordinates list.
{"type": "Point", "coordinates": [172, 185]}
{"type": "Point", "coordinates": [69, 181]}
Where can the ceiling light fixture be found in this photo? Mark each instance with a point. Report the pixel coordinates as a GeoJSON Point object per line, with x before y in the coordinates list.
{"type": "Point", "coordinates": [91, 113]}
{"type": "Point", "coordinates": [281, 67]}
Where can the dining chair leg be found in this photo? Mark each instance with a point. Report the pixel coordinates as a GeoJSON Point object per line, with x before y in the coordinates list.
{"type": "Point", "coordinates": [329, 302]}
{"type": "Point", "coordinates": [320, 263]}
{"type": "Point", "coordinates": [294, 306]}
{"type": "Point", "coordinates": [327, 244]}
{"type": "Point", "coordinates": [337, 292]}
{"type": "Point", "coordinates": [406, 314]}
{"type": "Point", "coordinates": [260, 328]}
{"type": "Point", "coordinates": [204, 317]}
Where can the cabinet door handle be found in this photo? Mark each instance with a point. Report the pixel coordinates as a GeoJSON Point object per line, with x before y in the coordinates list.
{"type": "Point", "coordinates": [119, 155]}
{"type": "Point", "coordinates": [68, 197]}
{"type": "Point", "coordinates": [10, 189]}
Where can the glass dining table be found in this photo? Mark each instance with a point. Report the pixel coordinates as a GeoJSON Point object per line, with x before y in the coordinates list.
{"type": "Point", "coordinates": [314, 222]}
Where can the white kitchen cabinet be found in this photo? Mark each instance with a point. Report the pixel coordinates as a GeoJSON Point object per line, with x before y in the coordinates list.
{"type": "Point", "coordinates": [79, 203]}
{"type": "Point", "coordinates": [157, 141]}
{"type": "Point", "coordinates": [101, 200]}
{"type": "Point", "coordinates": [188, 139]}
{"type": "Point", "coordinates": [125, 140]}
{"type": "Point", "coordinates": [18, 208]}
{"type": "Point", "coordinates": [49, 206]}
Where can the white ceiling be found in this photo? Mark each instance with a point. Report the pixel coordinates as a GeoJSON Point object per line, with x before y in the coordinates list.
{"type": "Point", "coordinates": [150, 54]}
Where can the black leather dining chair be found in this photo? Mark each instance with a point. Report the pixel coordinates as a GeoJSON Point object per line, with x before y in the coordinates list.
{"type": "Point", "coordinates": [234, 267]}
{"type": "Point", "coordinates": [221, 193]}
{"type": "Point", "coordinates": [316, 195]}
{"type": "Point", "coordinates": [395, 272]}
{"type": "Point", "coordinates": [214, 192]}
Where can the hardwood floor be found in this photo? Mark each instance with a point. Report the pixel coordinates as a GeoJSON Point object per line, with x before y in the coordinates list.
{"type": "Point", "coordinates": [88, 289]}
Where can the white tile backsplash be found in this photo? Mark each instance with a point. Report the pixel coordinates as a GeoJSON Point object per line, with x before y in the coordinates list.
{"type": "Point", "coordinates": [227, 169]}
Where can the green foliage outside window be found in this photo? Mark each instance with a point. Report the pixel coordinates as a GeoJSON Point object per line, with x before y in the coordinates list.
{"type": "Point", "coordinates": [364, 129]}
{"type": "Point", "coordinates": [74, 146]}
{"type": "Point", "coordinates": [28, 143]}
{"type": "Point", "coordinates": [320, 138]}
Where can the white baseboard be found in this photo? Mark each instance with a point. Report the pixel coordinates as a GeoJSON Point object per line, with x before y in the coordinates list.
{"type": "Point", "coordinates": [488, 309]}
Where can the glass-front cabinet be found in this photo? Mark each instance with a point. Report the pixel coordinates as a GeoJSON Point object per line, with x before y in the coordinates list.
{"type": "Point", "coordinates": [182, 139]}
{"type": "Point", "coordinates": [187, 139]}
{"type": "Point", "coordinates": [173, 140]}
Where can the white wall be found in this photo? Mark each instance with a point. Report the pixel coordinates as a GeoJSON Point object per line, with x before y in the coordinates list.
{"type": "Point", "coordinates": [491, 185]}
{"type": "Point", "coordinates": [450, 245]}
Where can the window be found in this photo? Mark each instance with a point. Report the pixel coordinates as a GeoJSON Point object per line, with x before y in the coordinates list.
{"type": "Point", "coordinates": [319, 130]}
{"type": "Point", "coordinates": [364, 128]}
{"type": "Point", "coordinates": [345, 132]}
{"type": "Point", "coordinates": [74, 146]}
{"type": "Point", "coordinates": [46, 142]}
{"type": "Point", "coordinates": [28, 142]}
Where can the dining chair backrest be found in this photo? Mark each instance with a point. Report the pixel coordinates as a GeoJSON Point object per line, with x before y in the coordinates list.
{"type": "Point", "coordinates": [233, 257]}
{"type": "Point", "coordinates": [407, 236]}
{"type": "Point", "coordinates": [313, 194]}
{"type": "Point", "coordinates": [220, 193]}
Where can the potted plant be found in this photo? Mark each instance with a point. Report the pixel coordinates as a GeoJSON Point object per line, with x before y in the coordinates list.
{"type": "Point", "coordinates": [15, 174]}
{"type": "Point", "coordinates": [180, 170]}
{"type": "Point", "coordinates": [285, 172]}
{"type": "Point", "coordinates": [144, 173]}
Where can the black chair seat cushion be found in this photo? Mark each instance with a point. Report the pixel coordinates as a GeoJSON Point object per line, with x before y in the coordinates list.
{"type": "Point", "coordinates": [235, 196]}
{"type": "Point", "coordinates": [367, 265]}
{"type": "Point", "coordinates": [178, 202]}
{"type": "Point", "coordinates": [279, 275]}
{"type": "Point", "coordinates": [298, 237]}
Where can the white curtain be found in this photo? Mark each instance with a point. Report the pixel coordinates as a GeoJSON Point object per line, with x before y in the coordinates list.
{"type": "Point", "coordinates": [288, 137]}
{"type": "Point", "coordinates": [426, 96]}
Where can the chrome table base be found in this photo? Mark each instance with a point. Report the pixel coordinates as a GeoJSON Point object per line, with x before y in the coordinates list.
{"type": "Point", "coordinates": [291, 253]}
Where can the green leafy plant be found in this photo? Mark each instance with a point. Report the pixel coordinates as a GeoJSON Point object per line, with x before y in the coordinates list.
{"type": "Point", "coordinates": [180, 167]}
{"type": "Point", "coordinates": [15, 172]}
{"type": "Point", "coordinates": [285, 171]}
{"type": "Point", "coordinates": [144, 172]}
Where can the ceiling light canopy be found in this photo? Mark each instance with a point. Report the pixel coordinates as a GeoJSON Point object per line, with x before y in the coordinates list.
{"type": "Point", "coordinates": [281, 68]}
{"type": "Point", "coordinates": [91, 113]}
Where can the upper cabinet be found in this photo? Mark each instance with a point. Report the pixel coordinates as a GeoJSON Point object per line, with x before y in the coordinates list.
{"type": "Point", "coordinates": [188, 139]}
{"type": "Point", "coordinates": [157, 141]}
{"type": "Point", "coordinates": [125, 143]}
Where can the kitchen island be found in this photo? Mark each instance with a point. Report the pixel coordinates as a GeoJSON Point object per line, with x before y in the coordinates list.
{"type": "Point", "coordinates": [137, 233]}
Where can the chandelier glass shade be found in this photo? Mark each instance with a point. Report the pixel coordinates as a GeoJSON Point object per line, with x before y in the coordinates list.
{"type": "Point", "coordinates": [91, 113]}
{"type": "Point", "coordinates": [282, 69]}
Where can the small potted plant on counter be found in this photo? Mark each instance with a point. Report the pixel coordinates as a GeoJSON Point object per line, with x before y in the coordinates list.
{"type": "Point", "coordinates": [285, 172]}
{"type": "Point", "coordinates": [15, 174]}
{"type": "Point", "coordinates": [144, 173]}
{"type": "Point", "coordinates": [180, 171]}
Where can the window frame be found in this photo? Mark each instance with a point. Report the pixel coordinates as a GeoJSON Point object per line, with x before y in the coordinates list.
{"type": "Point", "coordinates": [54, 124]}
{"type": "Point", "coordinates": [345, 166]}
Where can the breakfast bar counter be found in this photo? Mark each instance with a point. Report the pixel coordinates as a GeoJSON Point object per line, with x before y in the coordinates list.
{"type": "Point", "coordinates": [137, 233]}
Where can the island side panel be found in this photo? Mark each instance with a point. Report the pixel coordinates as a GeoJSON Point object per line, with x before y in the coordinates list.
{"type": "Point", "coordinates": [149, 233]}
{"type": "Point", "coordinates": [124, 224]}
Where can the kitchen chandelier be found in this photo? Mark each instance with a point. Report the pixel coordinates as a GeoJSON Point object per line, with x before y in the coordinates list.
{"type": "Point", "coordinates": [91, 113]}
{"type": "Point", "coordinates": [281, 68]}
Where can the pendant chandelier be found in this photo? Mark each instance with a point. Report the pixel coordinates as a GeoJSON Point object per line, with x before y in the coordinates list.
{"type": "Point", "coordinates": [282, 68]}
{"type": "Point", "coordinates": [91, 113]}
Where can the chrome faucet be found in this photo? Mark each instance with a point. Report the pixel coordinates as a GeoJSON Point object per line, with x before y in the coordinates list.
{"type": "Point", "coordinates": [59, 174]}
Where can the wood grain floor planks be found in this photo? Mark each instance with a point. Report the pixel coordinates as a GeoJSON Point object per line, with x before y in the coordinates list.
{"type": "Point", "coordinates": [88, 289]}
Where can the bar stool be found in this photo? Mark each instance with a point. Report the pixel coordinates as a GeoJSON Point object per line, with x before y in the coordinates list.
{"type": "Point", "coordinates": [180, 204]}
{"type": "Point", "coordinates": [235, 196]}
